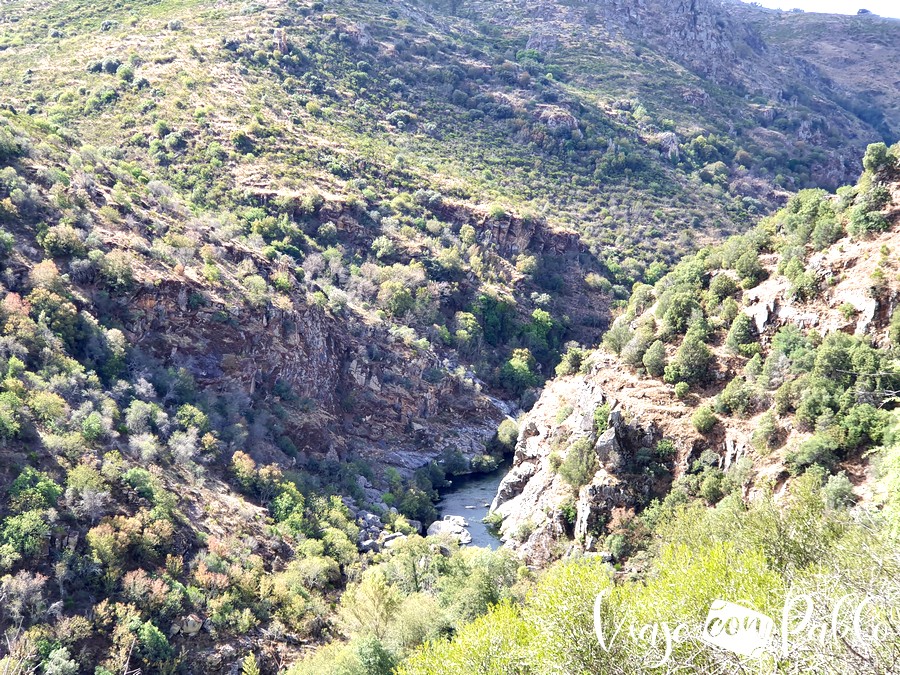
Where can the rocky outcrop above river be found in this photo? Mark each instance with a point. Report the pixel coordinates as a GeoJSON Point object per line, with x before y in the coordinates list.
{"type": "Point", "coordinates": [544, 516]}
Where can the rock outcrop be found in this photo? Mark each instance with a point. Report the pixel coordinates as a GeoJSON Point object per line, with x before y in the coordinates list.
{"type": "Point", "coordinates": [541, 511]}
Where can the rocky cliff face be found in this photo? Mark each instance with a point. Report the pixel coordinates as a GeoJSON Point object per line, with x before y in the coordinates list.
{"type": "Point", "coordinates": [541, 512]}
{"type": "Point", "coordinates": [357, 389]}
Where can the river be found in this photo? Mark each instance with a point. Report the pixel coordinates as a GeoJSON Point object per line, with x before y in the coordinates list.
{"type": "Point", "coordinates": [470, 497]}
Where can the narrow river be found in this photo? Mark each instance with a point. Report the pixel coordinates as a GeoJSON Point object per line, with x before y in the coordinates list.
{"type": "Point", "coordinates": [470, 497]}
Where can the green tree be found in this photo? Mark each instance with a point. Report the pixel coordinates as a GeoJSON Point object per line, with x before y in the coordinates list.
{"type": "Point", "coordinates": [704, 419]}
{"type": "Point", "coordinates": [692, 362]}
{"type": "Point", "coordinates": [654, 359]}
{"type": "Point", "coordinates": [517, 373]}
{"type": "Point", "coordinates": [33, 490]}
{"type": "Point", "coordinates": [249, 665]}
{"type": "Point", "coordinates": [741, 337]}
{"type": "Point", "coordinates": [368, 606]}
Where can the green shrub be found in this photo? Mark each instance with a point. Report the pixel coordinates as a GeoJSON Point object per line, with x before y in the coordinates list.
{"type": "Point", "coordinates": [601, 418]}
{"type": "Point", "coordinates": [749, 269]}
{"type": "Point", "coordinates": [63, 240]}
{"type": "Point", "coordinates": [665, 449]}
{"type": "Point", "coordinates": [838, 491]}
{"type": "Point", "coordinates": [242, 142]}
{"type": "Point", "coordinates": [10, 408]}
{"type": "Point", "coordinates": [704, 419]}
{"type": "Point", "coordinates": [92, 428]}
{"type": "Point", "coordinates": [735, 398]}
{"type": "Point", "coordinates": [765, 434]}
{"type": "Point", "coordinates": [517, 373]}
{"type": "Point", "coordinates": [722, 286]}
{"type": "Point", "coordinates": [26, 533]}
{"type": "Point", "coordinates": [680, 308]}
{"type": "Point", "coordinates": [729, 311]}
{"type": "Point", "coordinates": [508, 433]}
{"type": "Point", "coordinates": [580, 464]}
{"type": "Point", "coordinates": [818, 450]}
{"type": "Point", "coordinates": [117, 268]}
{"type": "Point", "coordinates": [711, 485]}
{"type": "Point", "coordinates": [33, 490]}
{"type": "Point", "coordinates": [864, 423]}
{"type": "Point", "coordinates": [571, 362]}
{"type": "Point", "coordinates": [654, 359]}
{"type": "Point", "coordinates": [878, 159]}
{"type": "Point", "coordinates": [692, 362]}
{"type": "Point", "coordinates": [153, 646]}
{"type": "Point", "coordinates": [59, 663]}
{"type": "Point", "coordinates": [681, 390]}
{"type": "Point", "coordinates": [617, 337]}
{"type": "Point", "coordinates": [741, 337]}
{"type": "Point", "coordinates": [563, 413]}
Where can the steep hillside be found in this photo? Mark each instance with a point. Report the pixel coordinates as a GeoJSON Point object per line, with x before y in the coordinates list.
{"type": "Point", "coordinates": [663, 121]}
{"type": "Point", "coordinates": [747, 364]}
{"type": "Point", "coordinates": [272, 271]}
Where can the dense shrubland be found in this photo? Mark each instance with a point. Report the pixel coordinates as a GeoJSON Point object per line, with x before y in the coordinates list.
{"type": "Point", "coordinates": [108, 452]}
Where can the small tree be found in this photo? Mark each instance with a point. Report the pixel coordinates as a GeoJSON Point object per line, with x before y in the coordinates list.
{"type": "Point", "coordinates": [878, 158]}
{"type": "Point", "coordinates": [249, 666]}
{"type": "Point", "coordinates": [691, 363]}
{"type": "Point", "coordinates": [508, 433]}
{"type": "Point", "coordinates": [742, 336]}
{"type": "Point", "coordinates": [704, 419]}
{"type": "Point", "coordinates": [654, 359]}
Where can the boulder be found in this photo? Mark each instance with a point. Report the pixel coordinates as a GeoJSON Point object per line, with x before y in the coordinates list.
{"type": "Point", "coordinates": [191, 624]}
{"type": "Point", "coordinates": [394, 541]}
{"type": "Point", "coordinates": [450, 529]}
{"type": "Point", "coordinates": [371, 519]}
{"type": "Point", "coordinates": [369, 545]}
{"type": "Point", "coordinates": [609, 450]}
{"type": "Point", "coordinates": [456, 520]}
{"type": "Point", "coordinates": [188, 625]}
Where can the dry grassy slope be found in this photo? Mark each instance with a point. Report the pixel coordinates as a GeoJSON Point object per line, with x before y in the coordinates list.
{"type": "Point", "coordinates": [855, 53]}
{"type": "Point", "coordinates": [532, 497]}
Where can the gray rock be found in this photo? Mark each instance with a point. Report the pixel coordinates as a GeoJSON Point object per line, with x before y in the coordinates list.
{"type": "Point", "coordinates": [513, 483]}
{"type": "Point", "coordinates": [609, 450]}
{"type": "Point", "coordinates": [396, 540]}
{"type": "Point", "coordinates": [456, 520]}
{"type": "Point", "coordinates": [371, 519]}
{"type": "Point", "coordinates": [369, 545]}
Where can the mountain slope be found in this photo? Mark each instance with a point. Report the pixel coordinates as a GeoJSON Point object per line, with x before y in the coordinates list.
{"type": "Point", "coordinates": [273, 270]}
{"type": "Point", "coordinates": [747, 364]}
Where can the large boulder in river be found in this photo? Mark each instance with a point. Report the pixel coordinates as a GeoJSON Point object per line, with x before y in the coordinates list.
{"type": "Point", "coordinates": [450, 528]}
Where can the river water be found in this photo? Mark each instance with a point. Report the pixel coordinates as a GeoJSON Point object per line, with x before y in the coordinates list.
{"type": "Point", "coordinates": [470, 497]}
